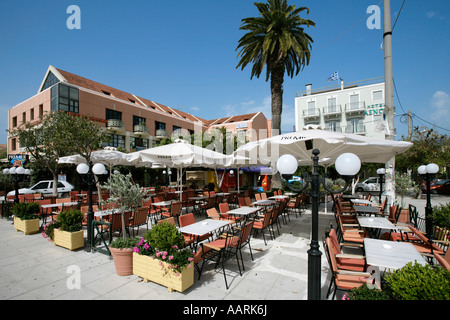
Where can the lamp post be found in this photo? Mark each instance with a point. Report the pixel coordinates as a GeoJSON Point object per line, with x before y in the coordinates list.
{"type": "Point", "coordinates": [429, 171]}
{"type": "Point", "coordinates": [381, 172]}
{"type": "Point", "coordinates": [347, 166]}
{"type": "Point", "coordinates": [88, 173]}
{"type": "Point", "coordinates": [19, 174]}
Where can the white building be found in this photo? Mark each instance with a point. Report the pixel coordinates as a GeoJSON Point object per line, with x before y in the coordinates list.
{"type": "Point", "coordinates": [356, 107]}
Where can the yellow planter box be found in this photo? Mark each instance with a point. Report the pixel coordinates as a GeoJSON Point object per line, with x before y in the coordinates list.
{"type": "Point", "coordinates": [68, 240]}
{"type": "Point", "coordinates": [157, 271]}
{"type": "Point", "coordinates": [27, 226]}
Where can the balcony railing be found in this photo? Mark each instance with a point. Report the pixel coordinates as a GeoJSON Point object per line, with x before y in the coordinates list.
{"type": "Point", "coordinates": [355, 107]}
{"type": "Point", "coordinates": [311, 113]}
{"type": "Point", "coordinates": [332, 111]}
{"type": "Point", "coordinates": [161, 134]}
{"type": "Point", "coordinates": [116, 125]}
{"type": "Point", "coordinates": [140, 129]}
{"type": "Point", "coordinates": [356, 129]}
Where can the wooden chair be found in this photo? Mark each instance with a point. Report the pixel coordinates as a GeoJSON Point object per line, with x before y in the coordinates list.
{"type": "Point", "coordinates": [294, 206]}
{"type": "Point", "coordinates": [228, 246]}
{"type": "Point", "coordinates": [175, 210]}
{"type": "Point", "coordinates": [263, 196]}
{"type": "Point", "coordinates": [262, 223]}
{"type": "Point", "coordinates": [343, 280]}
{"type": "Point", "coordinates": [223, 209]}
{"type": "Point", "coordinates": [248, 202]}
{"type": "Point", "coordinates": [187, 219]}
{"type": "Point", "coordinates": [426, 247]}
{"type": "Point", "coordinates": [257, 196]}
{"type": "Point", "coordinates": [347, 261]}
{"type": "Point", "coordinates": [139, 218]}
{"type": "Point", "coordinates": [170, 220]}
{"type": "Point", "coordinates": [241, 201]}
{"type": "Point", "coordinates": [350, 232]}
{"type": "Point", "coordinates": [444, 261]}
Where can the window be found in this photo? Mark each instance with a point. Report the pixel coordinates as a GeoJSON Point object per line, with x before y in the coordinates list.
{"type": "Point", "coordinates": [106, 92]}
{"type": "Point", "coordinates": [332, 126]}
{"type": "Point", "coordinates": [138, 120]}
{"type": "Point", "coordinates": [14, 121]}
{"type": "Point", "coordinates": [354, 125]}
{"type": "Point", "coordinates": [113, 114]}
{"type": "Point", "coordinates": [138, 143]}
{"type": "Point", "coordinates": [117, 141]}
{"type": "Point", "coordinates": [311, 108]}
{"type": "Point", "coordinates": [377, 95]}
{"type": "Point", "coordinates": [50, 81]}
{"type": "Point", "coordinates": [160, 125]}
{"type": "Point", "coordinates": [13, 144]}
{"type": "Point", "coordinates": [354, 101]}
{"type": "Point", "coordinates": [41, 110]}
{"type": "Point", "coordinates": [331, 104]}
{"type": "Point", "coordinates": [32, 114]}
{"type": "Point", "coordinates": [24, 117]}
{"type": "Point", "coordinates": [64, 98]}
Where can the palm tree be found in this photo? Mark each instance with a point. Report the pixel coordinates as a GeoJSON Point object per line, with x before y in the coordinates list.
{"type": "Point", "coordinates": [275, 40]}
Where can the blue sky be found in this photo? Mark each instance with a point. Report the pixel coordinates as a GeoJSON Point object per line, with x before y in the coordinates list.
{"type": "Point", "coordinates": [182, 53]}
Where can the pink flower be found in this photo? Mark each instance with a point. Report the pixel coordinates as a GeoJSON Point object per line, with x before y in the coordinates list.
{"type": "Point", "coordinates": [146, 246]}
{"type": "Point", "coordinates": [190, 259]}
{"type": "Point", "coordinates": [170, 257]}
{"type": "Point", "coordinates": [141, 242]}
{"type": "Point", "coordinates": [164, 257]}
{"type": "Point", "coordinates": [136, 249]}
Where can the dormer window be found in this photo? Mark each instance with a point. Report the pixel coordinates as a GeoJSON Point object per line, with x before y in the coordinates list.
{"type": "Point", "coordinates": [106, 92]}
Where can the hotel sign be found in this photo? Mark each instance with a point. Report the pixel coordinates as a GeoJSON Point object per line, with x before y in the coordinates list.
{"type": "Point", "coordinates": [374, 109]}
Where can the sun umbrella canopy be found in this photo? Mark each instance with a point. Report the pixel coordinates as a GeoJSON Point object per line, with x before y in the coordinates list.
{"type": "Point", "coordinates": [181, 154]}
{"type": "Point", "coordinates": [108, 156]}
{"type": "Point", "coordinates": [330, 144]}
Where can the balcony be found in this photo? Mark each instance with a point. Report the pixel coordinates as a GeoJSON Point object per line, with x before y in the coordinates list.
{"type": "Point", "coordinates": [116, 125]}
{"type": "Point", "coordinates": [355, 107]}
{"type": "Point", "coordinates": [161, 134]}
{"type": "Point", "coordinates": [334, 111]}
{"type": "Point", "coordinates": [140, 130]}
{"type": "Point", "coordinates": [356, 129]}
{"type": "Point", "coordinates": [309, 114]}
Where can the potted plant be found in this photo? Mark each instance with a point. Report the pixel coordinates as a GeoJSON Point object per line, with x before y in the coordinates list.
{"type": "Point", "coordinates": [125, 194]}
{"type": "Point", "coordinates": [26, 217]}
{"type": "Point", "coordinates": [122, 252]}
{"type": "Point", "coordinates": [160, 257]}
{"type": "Point", "coordinates": [68, 231]}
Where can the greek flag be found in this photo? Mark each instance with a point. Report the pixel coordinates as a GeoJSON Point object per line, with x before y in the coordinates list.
{"type": "Point", "coordinates": [333, 77]}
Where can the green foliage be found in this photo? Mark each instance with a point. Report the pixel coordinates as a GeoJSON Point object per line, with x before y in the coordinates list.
{"type": "Point", "coordinates": [441, 215]}
{"type": "Point", "coordinates": [404, 184]}
{"type": "Point", "coordinates": [121, 243]}
{"type": "Point", "coordinates": [163, 236]}
{"type": "Point", "coordinates": [417, 282]}
{"type": "Point", "coordinates": [26, 210]}
{"type": "Point", "coordinates": [71, 220]}
{"type": "Point", "coordinates": [165, 243]}
{"type": "Point", "coordinates": [366, 293]}
{"type": "Point", "coordinates": [49, 227]}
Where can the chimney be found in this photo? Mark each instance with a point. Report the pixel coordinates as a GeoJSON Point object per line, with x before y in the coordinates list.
{"type": "Point", "coordinates": [308, 89]}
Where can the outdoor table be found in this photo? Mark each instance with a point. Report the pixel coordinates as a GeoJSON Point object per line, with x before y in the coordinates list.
{"type": "Point", "coordinates": [278, 197]}
{"type": "Point", "coordinates": [222, 194]}
{"type": "Point", "coordinates": [107, 212]}
{"type": "Point", "coordinates": [361, 201]}
{"type": "Point", "coordinates": [264, 202]}
{"type": "Point", "coordinates": [377, 223]}
{"type": "Point", "coordinates": [55, 205]}
{"type": "Point", "coordinates": [202, 228]}
{"type": "Point", "coordinates": [162, 203]}
{"type": "Point", "coordinates": [390, 254]}
{"type": "Point", "coordinates": [349, 196]}
{"type": "Point", "coordinates": [244, 211]}
{"type": "Point", "coordinates": [366, 210]}
{"type": "Point", "coordinates": [291, 194]}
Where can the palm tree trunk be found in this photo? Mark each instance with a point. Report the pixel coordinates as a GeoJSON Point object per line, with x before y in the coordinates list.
{"type": "Point", "coordinates": [276, 87]}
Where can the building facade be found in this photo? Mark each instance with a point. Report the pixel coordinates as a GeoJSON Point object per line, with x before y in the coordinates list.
{"type": "Point", "coordinates": [353, 108]}
{"type": "Point", "coordinates": [133, 122]}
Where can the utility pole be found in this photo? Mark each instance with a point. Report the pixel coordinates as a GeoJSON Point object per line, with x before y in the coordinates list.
{"type": "Point", "coordinates": [389, 98]}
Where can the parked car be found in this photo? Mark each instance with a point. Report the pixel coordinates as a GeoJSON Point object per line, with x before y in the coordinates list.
{"type": "Point", "coordinates": [440, 187]}
{"type": "Point", "coordinates": [370, 184]}
{"type": "Point", "coordinates": [46, 188]}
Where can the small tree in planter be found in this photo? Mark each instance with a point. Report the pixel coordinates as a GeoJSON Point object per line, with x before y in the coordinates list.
{"type": "Point", "coordinates": [125, 194]}
{"type": "Point", "coordinates": [26, 217]}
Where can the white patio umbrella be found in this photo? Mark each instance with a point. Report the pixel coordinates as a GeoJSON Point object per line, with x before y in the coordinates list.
{"type": "Point", "coordinates": [331, 144]}
{"type": "Point", "coordinates": [180, 155]}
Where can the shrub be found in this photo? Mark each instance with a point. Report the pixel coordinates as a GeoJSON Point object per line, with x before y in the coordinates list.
{"type": "Point", "coordinates": [122, 243]}
{"type": "Point", "coordinates": [163, 236]}
{"type": "Point", "coordinates": [71, 220]}
{"type": "Point", "coordinates": [26, 210]}
{"type": "Point", "coordinates": [366, 293]}
{"type": "Point", "coordinates": [418, 282]}
{"type": "Point", "coordinates": [441, 215]}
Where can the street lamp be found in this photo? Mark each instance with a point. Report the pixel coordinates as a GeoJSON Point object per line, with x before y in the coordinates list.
{"type": "Point", "coordinates": [88, 173]}
{"type": "Point", "coordinates": [429, 171]}
{"type": "Point", "coordinates": [19, 174]}
{"type": "Point", "coordinates": [381, 172]}
{"type": "Point", "coordinates": [347, 165]}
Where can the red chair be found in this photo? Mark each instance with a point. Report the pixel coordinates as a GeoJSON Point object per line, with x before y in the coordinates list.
{"type": "Point", "coordinates": [444, 261]}
{"type": "Point", "coordinates": [224, 208]}
{"type": "Point", "coordinates": [346, 261]}
{"type": "Point", "coordinates": [187, 219]}
{"type": "Point", "coordinates": [263, 223]}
